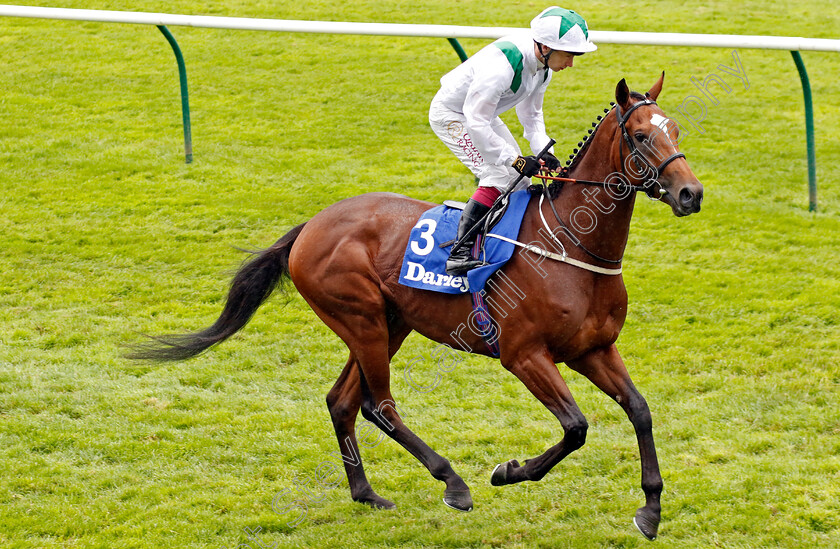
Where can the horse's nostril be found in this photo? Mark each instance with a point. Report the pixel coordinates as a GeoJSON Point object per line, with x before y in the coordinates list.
{"type": "Point", "coordinates": [686, 198]}
{"type": "Point", "coordinates": [691, 200]}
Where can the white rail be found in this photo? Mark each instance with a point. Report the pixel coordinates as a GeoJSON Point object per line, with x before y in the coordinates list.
{"type": "Point", "coordinates": [788, 43]}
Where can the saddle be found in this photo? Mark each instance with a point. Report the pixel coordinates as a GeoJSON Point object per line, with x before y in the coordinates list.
{"type": "Point", "coordinates": [497, 211]}
{"type": "Point", "coordinates": [428, 246]}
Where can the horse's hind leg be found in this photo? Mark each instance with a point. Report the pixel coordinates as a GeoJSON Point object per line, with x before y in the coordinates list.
{"type": "Point", "coordinates": [379, 408]}
{"type": "Point", "coordinates": [344, 401]}
{"type": "Point", "coordinates": [606, 370]}
{"type": "Point", "coordinates": [359, 318]}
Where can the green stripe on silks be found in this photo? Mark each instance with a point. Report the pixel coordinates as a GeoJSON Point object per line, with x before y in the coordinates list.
{"type": "Point", "coordinates": [514, 57]}
{"type": "Point", "coordinates": [568, 20]}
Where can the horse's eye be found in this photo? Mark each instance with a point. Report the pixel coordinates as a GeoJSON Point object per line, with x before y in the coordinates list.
{"type": "Point", "coordinates": [640, 137]}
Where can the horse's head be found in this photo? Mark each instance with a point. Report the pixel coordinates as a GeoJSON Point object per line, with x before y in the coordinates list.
{"type": "Point", "coordinates": [648, 150]}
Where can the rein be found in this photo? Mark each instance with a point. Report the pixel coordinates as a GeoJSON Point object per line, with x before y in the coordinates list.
{"type": "Point", "coordinates": [562, 257]}
{"type": "Point", "coordinates": [641, 162]}
{"type": "Point", "coordinates": [569, 232]}
{"type": "Point", "coordinates": [605, 184]}
{"type": "Point", "coordinates": [638, 157]}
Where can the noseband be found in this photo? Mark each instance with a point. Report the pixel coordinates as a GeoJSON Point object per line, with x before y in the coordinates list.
{"type": "Point", "coordinates": [641, 161]}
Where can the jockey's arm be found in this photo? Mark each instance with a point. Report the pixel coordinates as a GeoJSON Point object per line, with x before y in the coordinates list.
{"type": "Point", "coordinates": [530, 115]}
{"type": "Point", "coordinates": [480, 106]}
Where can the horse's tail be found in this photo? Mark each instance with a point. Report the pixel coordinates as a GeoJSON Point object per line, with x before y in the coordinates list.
{"type": "Point", "coordinates": [251, 286]}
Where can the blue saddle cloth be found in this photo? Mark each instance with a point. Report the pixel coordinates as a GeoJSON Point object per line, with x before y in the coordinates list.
{"type": "Point", "coordinates": [424, 263]}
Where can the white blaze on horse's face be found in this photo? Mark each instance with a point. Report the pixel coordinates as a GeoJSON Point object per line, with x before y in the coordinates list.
{"type": "Point", "coordinates": [664, 127]}
{"type": "Point", "coordinates": [660, 122]}
{"type": "Point", "coordinates": [682, 191]}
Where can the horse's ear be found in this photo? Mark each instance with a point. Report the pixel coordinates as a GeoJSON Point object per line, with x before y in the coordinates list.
{"type": "Point", "coordinates": [622, 94]}
{"type": "Point", "coordinates": [657, 88]}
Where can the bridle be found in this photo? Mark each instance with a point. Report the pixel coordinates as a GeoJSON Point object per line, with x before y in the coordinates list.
{"type": "Point", "coordinates": [640, 159]}
{"type": "Point", "coordinates": [641, 163]}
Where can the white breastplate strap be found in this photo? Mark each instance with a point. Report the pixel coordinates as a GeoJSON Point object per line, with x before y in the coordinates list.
{"type": "Point", "coordinates": [558, 257]}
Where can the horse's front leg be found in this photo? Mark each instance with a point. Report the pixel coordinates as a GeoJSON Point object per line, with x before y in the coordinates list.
{"type": "Point", "coordinates": [605, 368]}
{"type": "Point", "coordinates": [540, 375]}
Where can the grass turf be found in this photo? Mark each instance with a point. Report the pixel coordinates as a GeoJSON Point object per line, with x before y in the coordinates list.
{"type": "Point", "coordinates": [732, 333]}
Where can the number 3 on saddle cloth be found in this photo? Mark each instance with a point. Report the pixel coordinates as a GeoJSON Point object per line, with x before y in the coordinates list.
{"type": "Point", "coordinates": [425, 261]}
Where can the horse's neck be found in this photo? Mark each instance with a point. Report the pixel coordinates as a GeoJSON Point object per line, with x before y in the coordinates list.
{"type": "Point", "coordinates": [611, 213]}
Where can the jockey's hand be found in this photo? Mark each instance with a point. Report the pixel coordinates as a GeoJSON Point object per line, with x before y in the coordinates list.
{"type": "Point", "coordinates": [527, 165]}
{"type": "Point", "coordinates": [551, 162]}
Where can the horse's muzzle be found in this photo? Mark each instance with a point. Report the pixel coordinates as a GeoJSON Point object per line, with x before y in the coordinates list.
{"type": "Point", "coordinates": [690, 200]}
{"type": "Point", "coordinates": [685, 199]}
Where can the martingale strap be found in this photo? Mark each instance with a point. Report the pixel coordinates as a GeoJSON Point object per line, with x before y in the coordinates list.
{"type": "Point", "coordinates": [482, 317]}
{"type": "Point", "coordinates": [485, 324]}
{"type": "Point", "coordinates": [558, 257]}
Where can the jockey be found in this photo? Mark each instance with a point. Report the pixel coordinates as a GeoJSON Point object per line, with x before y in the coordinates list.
{"type": "Point", "coordinates": [513, 71]}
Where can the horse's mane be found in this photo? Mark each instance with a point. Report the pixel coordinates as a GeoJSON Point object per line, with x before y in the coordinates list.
{"type": "Point", "coordinates": [578, 154]}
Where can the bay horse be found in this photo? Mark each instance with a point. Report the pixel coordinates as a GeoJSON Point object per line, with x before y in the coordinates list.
{"type": "Point", "coordinates": [346, 260]}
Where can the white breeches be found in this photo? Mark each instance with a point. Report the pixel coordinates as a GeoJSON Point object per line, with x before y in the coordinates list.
{"type": "Point", "coordinates": [451, 128]}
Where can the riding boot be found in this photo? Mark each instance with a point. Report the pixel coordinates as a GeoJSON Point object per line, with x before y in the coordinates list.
{"type": "Point", "coordinates": [461, 260]}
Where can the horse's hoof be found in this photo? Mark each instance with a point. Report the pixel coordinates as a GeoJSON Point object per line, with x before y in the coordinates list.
{"type": "Point", "coordinates": [647, 523]}
{"type": "Point", "coordinates": [377, 502]}
{"type": "Point", "coordinates": [460, 500]}
{"type": "Point", "coordinates": [502, 473]}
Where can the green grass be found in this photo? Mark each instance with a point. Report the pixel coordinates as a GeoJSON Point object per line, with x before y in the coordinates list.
{"type": "Point", "coordinates": [105, 233]}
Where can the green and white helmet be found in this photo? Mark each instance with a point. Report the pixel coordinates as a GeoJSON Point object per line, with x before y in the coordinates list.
{"type": "Point", "coordinates": [562, 29]}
